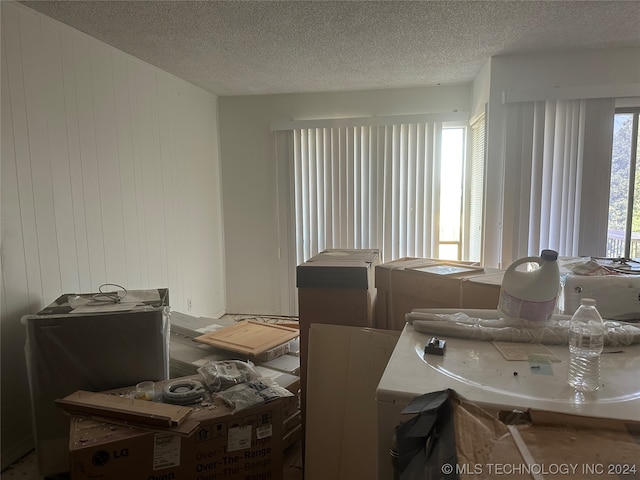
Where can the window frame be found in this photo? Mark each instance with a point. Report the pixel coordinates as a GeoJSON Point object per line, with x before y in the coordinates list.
{"type": "Point", "coordinates": [461, 242]}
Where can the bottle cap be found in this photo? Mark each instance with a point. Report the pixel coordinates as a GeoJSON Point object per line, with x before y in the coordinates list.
{"type": "Point", "coordinates": [588, 301]}
{"type": "Point", "coordinates": [549, 255]}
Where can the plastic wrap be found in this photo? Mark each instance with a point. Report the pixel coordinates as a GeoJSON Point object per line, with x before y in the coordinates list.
{"type": "Point", "coordinates": [95, 346]}
{"type": "Point", "coordinates": [246, 395]}
{"type": "Point", "coordinates": [613, 284]}
{"type": "Point", "coordinates": [554, 332]}
{"type": "Point", "coordinates": [225, 374]}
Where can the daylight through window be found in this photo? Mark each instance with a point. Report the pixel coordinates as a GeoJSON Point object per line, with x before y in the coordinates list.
{"type": "Point", "coordinates": [623, 238]}
{"type": "Point", "coordinates": [398, 188]}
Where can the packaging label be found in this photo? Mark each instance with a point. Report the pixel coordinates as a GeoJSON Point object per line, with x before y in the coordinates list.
{"type": "Point", "coordinates": [525, 309]}
{"type": "Point", "coordinates": [239, 438]}
{"type": "Point", "coordinates": [264, 432]}
{"type": "Point", "coordinates": [229, 369]}
{"type": "Point", "coordinates": [166, 451]}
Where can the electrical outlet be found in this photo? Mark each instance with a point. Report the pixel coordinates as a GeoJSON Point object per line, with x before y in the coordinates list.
{"type": "Point", "coordinates": [188, 304]}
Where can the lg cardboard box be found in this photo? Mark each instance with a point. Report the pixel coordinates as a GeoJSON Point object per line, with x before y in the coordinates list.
{"type": "Point", "coordinates": [409, 283]}
{"type": "Point", "coordinates": [242, 445]}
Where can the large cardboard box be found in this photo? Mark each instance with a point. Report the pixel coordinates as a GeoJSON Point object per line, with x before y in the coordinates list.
{"type": "Point", "coordinates": [338, 269]}
{"type": "Point", "coordinates": [334, 287]}
{"type": "Point", "coordinates": [73, 344]}
{"type": "Point", "coordinates": [409, 283]}
{"type": "Point", "coordinates": [482, 291]}
{"type": "Point", "coordinates": [467, 442]}
{"type": "Point", "coordinates": [345, 367]}
{"type": "Point", "coordinates": [247, 444]}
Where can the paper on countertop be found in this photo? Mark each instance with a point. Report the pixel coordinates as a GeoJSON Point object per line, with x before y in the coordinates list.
{"type": "Point", "coordinates": [518, 351]}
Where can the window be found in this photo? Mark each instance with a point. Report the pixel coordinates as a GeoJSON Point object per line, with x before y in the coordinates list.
{"type": "Point", "coordinates": [623, 238]}
{"type": "Point", "coordinates": [451, 171]}
{"type": "Point", "coordinates": [556, 178]}
{"type": "Point", "coordinates": [474, 193]}
{"type": "Point", "coordinates": [399, 188]}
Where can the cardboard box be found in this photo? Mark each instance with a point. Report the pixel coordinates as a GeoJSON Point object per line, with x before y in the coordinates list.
{"type": "Point", "coordinates": [408, 283]}
{"type": "Point", "coordinates": [334, 287]}
{"type": "Point", "coordinates": [338, 269]}
{"type": "Point", "coordinates": [482, 291]}
{"type": "Point", "coordinates": [345, 367]}
{"type": "Point", "coordinates": [337, 287]}
{"type": "Point", "coordinates": [244, 445]}
{"type": "Point", "coordinates": [90, 347]}
{"type": "Point", "coordinates": [467, 442]}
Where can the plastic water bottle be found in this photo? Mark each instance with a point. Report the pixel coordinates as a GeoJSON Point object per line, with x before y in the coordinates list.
{"type": "Point", "coordinates": [586, 338]}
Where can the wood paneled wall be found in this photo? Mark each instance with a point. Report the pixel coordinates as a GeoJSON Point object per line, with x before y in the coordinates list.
{"type": "Point", "coordinates": [110, 174]}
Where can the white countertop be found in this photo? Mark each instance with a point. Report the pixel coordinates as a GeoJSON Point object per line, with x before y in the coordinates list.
{"type": "Point", "coordinates": [477, 371]}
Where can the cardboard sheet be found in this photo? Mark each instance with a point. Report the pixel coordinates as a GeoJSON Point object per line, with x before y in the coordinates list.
{"type": "Point", "coordinates": [129, 411]}
{"type": "Point", "coordinates": [345, 367]}
{"type": "Point", "coordinates": [531, 445]}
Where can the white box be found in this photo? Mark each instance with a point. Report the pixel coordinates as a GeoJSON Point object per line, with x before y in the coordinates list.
{"type": "Point", "coordinates": [617, 296]}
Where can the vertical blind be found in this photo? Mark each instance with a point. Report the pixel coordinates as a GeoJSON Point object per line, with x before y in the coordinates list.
{"type": "Point", "coordinates": [474, 193]}
{"type": "Point", "coordinates": [366, 187]}
{"type": "Point", "coordinates": [558, 154]}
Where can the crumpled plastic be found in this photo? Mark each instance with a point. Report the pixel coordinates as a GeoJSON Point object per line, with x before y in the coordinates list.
{"type": "Point", "coordinates": [252, 393]}
{"type": "Point", "coordinates": [224, 374]}
{"type": "Point", "coordinates": [554, 332]}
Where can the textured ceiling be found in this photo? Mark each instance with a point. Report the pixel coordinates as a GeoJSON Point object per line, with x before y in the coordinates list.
{"type": "Point", "coordinates": [262, 47]}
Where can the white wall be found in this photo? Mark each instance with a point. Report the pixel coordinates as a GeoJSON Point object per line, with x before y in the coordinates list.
{"type": "Point", "coordinates": [256, 186]}
{"type": "Point", "coordinates": [481, 90]}
{"type": "Point", "coordinates": [257, 235]}
{"type": "Point", "coordinates": [110, 173]}
{"type": "Point", "coordinates": [583, 74]}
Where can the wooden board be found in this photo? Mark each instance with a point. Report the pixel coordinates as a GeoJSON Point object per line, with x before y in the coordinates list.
{"type": "Point", "coordinates": [249, 337]}
{"type": "Point", "coordinates": [141, 412]}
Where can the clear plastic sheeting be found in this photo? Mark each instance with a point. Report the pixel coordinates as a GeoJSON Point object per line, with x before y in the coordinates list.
{"type": "Point", "coordinates": [227, 373]}
{"type": "Point", "coordinates": [251, 394]}
{"type": "Point", "coordinates": [487, 326]}
{"type": "Point", "coordinates": [92, 341]}
{"type": "Point", "coordinates": [239, 385]}
{"type": "Point", "coordinates": [614, 283]}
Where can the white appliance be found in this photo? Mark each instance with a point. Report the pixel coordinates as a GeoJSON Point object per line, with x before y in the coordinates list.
{"type": "Point", "coordinates": [102, 348]}
{"type": "Point", "coordinates": [478, 372]}
{"type": "Point", "coordinates": [617, 296]}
